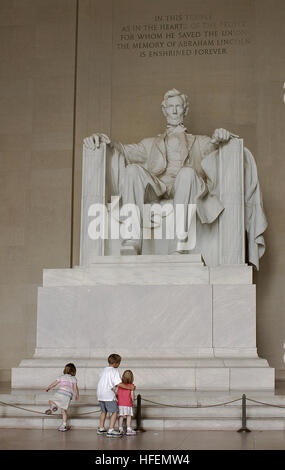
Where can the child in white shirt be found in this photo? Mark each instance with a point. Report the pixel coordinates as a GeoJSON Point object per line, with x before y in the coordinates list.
{"type": "Point", "coordinates": [108, 380]}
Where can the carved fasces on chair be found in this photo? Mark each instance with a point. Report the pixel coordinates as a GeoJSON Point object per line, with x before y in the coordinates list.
{"type": "Point", "coordinates": [93, 192]}
{"type": "Point", "coordinates": [223, 241]}
{"type": "Point", "coordinates": [231, 220]}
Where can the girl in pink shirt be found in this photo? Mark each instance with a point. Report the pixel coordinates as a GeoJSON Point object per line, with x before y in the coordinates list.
{"type": "Point", "coordinates": [125, 403]}
{"type": "Point", "coordinates": [61, 399]}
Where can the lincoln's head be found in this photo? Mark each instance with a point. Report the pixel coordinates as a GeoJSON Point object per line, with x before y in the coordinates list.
{"type": "Point", "coordinates": [175, 106]}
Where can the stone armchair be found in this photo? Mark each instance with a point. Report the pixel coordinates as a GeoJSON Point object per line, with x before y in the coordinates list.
{"type": "Point", "coordinates": [220, 243]}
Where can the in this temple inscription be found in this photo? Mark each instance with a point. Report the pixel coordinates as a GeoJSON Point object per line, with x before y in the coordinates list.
{"type": "Point", "coordinates": [179, 35]}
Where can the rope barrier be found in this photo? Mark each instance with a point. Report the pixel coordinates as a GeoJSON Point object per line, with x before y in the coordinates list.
{"type": "Point", "coordinates": [155, 403]}
{"type": "Point", "coordinates": [21, 408]}
{"type": "Point", "coordinates": [266, 404]}
{"type": "Point", "coordinates": [41, 412]}
{"type": "Point", "coordinates": [89, 412]}
{"type": "Point", "coordinates": [144, 399]}
{"type": "Point", "coordinates": [191, 406]}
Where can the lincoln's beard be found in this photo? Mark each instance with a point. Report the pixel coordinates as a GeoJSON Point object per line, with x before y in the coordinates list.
{"type": "Point", "coordinates": [175, 121]}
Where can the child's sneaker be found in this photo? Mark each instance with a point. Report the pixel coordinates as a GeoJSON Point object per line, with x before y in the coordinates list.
{"type": "Point", "coordinates": [130, 432]}
{"type": "Point", "coordinates": [113, 433]}
{"type": "Point", "coordinates": [48, 412]}
{"type": "Point", "coordinates": [54, 409]}
{"type": "Point", "coordinates": [63, 427]}
{"type": "Point", "coordinates": [100, 431]}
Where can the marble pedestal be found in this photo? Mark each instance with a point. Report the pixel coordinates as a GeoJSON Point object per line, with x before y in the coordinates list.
{"type": "Point", "coordinates": [175, 322]}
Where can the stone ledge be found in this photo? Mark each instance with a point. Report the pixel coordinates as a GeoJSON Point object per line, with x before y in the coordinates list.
{"type": "Point", "coordinates": [147, 270]}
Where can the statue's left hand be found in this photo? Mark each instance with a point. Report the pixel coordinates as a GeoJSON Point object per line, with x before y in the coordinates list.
{"type": "Point", "coordinates": [93, 142]}
{"type": "Point", "coordinates": [220, 136]}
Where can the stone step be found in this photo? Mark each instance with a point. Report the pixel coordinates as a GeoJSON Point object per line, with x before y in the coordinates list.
{"type": "Point", "coordinates": [208, 374]}
{"type": "Point", "coordinates": [100, 362]}
{"type": "Point", "coordinates": [158, 423]}
{"type": "Point", "coordinates": [179, 397]}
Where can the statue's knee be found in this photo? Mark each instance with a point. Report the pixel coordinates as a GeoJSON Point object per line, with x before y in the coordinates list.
{"type": "Point", "coordinates": [186, 174]}
{"type": "Point", "coordinates": [132, 171]}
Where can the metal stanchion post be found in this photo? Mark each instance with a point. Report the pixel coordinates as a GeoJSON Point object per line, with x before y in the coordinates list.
{"type": "Point", "coordinates": [139, 414]}
{"type": "Point", "coordinates": [243, 419]}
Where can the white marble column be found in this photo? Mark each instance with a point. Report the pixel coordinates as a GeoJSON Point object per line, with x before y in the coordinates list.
{"type": "Point", "coordinates": [231, 220]}
{"type": "Point", "coordinates": [93, 192]}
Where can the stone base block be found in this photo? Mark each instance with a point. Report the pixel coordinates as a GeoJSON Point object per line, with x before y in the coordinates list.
{"type": "Point", "coordinates": [159, 321]}
{"type": "Point", "coordinates": [175, 322]}
{"type": "Point", "coordinates": [200, 375]}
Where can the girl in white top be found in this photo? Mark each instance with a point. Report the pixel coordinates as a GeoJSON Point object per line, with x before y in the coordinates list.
{"type": "Point", "coordinates": [61, 399]}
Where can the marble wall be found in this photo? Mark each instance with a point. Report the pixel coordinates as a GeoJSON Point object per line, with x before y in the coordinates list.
{"type": "Point", "coordinates": [37, 70]}
{"type": "Point", "coordinates": [270, 145]}
{"type": "Point", "coordinates": [43, 121]}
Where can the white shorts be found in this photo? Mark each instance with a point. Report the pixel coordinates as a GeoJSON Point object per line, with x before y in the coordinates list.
{"type": "Point", "coordinates": [126, 411]}
{"type": "Point", "coordinates": [61, 401]}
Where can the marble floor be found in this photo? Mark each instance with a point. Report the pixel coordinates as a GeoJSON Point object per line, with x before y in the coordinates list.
{"type": "Point", "coordinates": [21, 439]}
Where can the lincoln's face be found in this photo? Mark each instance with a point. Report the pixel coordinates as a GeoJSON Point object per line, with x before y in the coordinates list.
{"type": "Point", "coordinates": [174, 110]}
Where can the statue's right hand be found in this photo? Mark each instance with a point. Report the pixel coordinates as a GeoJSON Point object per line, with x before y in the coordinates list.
{"type": "Point", "coordinates": [93, 142]}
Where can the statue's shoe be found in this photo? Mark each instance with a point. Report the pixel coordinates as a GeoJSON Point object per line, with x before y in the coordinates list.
{"type": "Point", "coordinates": [130, 248]}
{"type": "Point", "coordinates": [180, 252]}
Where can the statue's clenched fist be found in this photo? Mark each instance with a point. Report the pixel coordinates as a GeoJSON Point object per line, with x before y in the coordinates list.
{"type": "Point", "coordinates": [95, 140]}
{"type": "Point", "coordinates": [221, 136]}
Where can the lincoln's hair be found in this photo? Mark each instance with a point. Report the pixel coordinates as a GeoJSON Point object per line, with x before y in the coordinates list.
{"type": "Point", "coordinates": [128, 377]}
{"type": "Point", "coordinates": [114, 359]}
{"type": "Point", "coordinates": [70, 369]}
{"type": "Point", "coordinates": [174, 92]}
